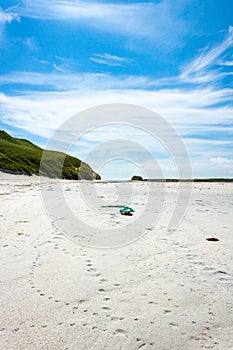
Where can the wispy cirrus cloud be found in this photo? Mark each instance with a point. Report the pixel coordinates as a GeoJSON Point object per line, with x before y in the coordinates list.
{"type": "Point", "coordinates": [201, 69]}
{"type": "Point", "coordinates": [58, 68]}
{"type": "Point", "coordinates": [190, 112]}
{"type": "Point", "coordinates": [59, 64]}
{"type": "Point", "coordinates": [8, 15]}
{"type": "Point", "coordinates": [111, 17]}
{"type": "Point", "coordinates": [226, 63]}
{"type": "Point", "coordinates": [78, 81]}
{"type": "Point", "coordinates": [65, 9]}
{"type": "Point", "coordinates": [222, 161]}
{"type": "Point", "coordinates": [41, 61]}
{"type": "Point", "coordinates": [109, 60]}
{"type": "Point", "coordinates": [60, 80]}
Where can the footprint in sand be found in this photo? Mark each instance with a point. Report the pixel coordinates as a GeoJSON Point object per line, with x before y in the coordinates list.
{"type": "Point", "coordinates": [106, 308]}
{"type": "Point", "coordinates": [173, 325]}
{"type": "Point", "coordinates": [166, 311]}
{"type": "Point", "coordinates": [91, 270]}
{"type": "Point", "coordinates": [120, 331]}
{"type": "Point", "coordinates": [103, 280]}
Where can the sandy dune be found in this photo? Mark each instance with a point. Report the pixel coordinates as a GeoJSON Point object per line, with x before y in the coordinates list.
{"type": "Point", "coordinates": [166, 290]}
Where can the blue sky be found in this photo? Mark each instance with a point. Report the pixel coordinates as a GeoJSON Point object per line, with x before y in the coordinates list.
{"type": "Point", "coordinates": [59, 57]}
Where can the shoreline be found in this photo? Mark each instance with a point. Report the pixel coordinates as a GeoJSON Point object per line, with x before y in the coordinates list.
{"type": "Point", "coordinates": [6, 175]}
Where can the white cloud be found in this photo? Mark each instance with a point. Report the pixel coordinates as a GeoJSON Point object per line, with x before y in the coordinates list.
{"type": "Point", "coordinates": [91, 82]}
{"type": "Point", "coordinates": [225, 63]}
{"type": "Point", "coordinates": [221, 161]}
{"type": "Point", "coordinates": [205, 167]}
{"type": "Point", "coordinates": [80, 81]}
{"type": "Point", "coordinates": [31, 43]}
{"type": "Point", "coordinates": [65, 9]}
{"type": "Point", "coordinates": [132, 20]}
{"type": "Point", "coordinates": [58, 68]}
{"type": "Point", "coordinates": [108, 60]}
{"type": "Point", "coordinates": [199, 70]}
{"type": "Point", "coordinates": [59, 64]}
{"type": "Point", "coordinates": [189, 111]}
{"type": "Point", "coordinates": [8, 16]}
{"type": "Point", "coordinates": [41, 61]}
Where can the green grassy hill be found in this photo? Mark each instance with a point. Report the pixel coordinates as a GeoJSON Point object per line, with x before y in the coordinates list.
{"type": "Point", "coordinates": [19, 156]}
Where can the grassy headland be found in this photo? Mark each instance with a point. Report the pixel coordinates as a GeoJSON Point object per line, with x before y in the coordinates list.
{"type": "Point", "coordinates": [19, 156]}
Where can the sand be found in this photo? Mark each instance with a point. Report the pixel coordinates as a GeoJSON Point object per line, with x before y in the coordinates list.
{"type": "Point", "coordinates": [166, 290]}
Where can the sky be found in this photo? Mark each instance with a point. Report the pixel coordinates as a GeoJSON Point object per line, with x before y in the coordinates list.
{"type": "Point", "coordinates": [175, 57]}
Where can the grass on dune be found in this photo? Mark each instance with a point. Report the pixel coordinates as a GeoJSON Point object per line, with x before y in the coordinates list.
{"type": "Point", "coordinates": [19, 156]}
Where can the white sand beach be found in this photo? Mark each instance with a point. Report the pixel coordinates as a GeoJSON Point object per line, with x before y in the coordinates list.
{"type": "Point", "coordinates": [166, 290]}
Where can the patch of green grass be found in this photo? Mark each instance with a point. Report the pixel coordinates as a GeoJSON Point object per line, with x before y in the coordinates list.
{"type": "Point", "coordinates": [19, 156]}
